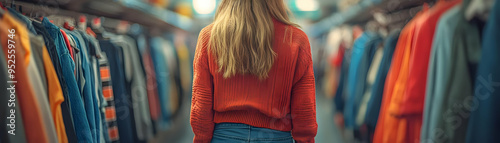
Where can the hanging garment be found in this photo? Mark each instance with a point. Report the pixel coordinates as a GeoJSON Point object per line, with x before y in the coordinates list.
{"type": "Point", "coordinates": [390, 128]}
{"type": "Point", "coordinates": [9, 104]}
{"type": "Point", "coordinates": [23, 19]}
{"type": "Point", "coordinates": [68, 45]}
{"type": "Point", "coordinates": [370, 79]}
{"type": "Point", "coordinates": [34, 76]}
{"type": "Point", "coordinates": [408, 93]}
{"type": "Point", "coordinates": [107, 91]}
{"type": "Point", "coordinates": [97, 96]}
{"type": "Point", "coordinates": [439, 75]}
{"type": "Point", "coordinates": [37, 44]}
{"type": "Point", "coordinates": [54, 57]}
{"type": "Point", "coordinates": [154, 104]}
{"type": "Point", "coordinates": [414, 94]}
{"type": "Point", "coordinates": [162, 79]}
{"type": "Point", "coordinates": [121, 98]}
{"type": "Point", "coordinates": [184, 66]}
{"type": "Point", "coordinates": [175, 83]}
{"type": "Point", "coordinates": [86, 84]}
{"type": "Point", "coordinates": [466, 54]}
{"type": "Point", "coordinates": [339, 98]}
{"type": "Point", "coordinates": [80, 121]}
{"type": "Point", "coordinates": [30, 109]}
{"type": "Point", "coordinates": [136, 86]}
{"type": "Point", "coordinates": [483, 124]}
{"type": "Point", "coordinates": [93, 53]}
{"type": "Point", "coordinates": [54, 91]}
{"type": "Point", "coordinates": [462, 58]}
{"type": "Point", "coordinates": [362, 54]}
{"type": "Point", "coordinates": [377, 91]}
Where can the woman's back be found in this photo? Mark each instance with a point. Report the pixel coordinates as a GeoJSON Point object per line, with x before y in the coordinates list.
{"type": "Point", "coordinates": [284, 100]}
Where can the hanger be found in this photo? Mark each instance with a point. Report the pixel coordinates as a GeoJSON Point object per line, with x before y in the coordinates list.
{"type": "Point", "coordinates": [2, 12]}
{"type": "Point", "coordinates": [31, 11]}
{"type": "Point", "coordinates": [479, 8]}
{"type": "Point", "coordinates": [34, 18]}
{"type": "Point", "coordinates": [82, 23]}
{"type": "Point", "coordinates": [67, 26]}
{"type": "Point", "coordinates": [12, 4]}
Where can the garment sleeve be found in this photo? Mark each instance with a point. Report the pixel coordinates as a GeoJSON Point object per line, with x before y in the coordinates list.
{"type": "Point", "coordinates": [202, 100]}
{"type": "Point", "coordinates": [303, 100]}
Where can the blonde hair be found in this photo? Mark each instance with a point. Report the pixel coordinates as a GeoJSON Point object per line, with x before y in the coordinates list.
{"type": "Point", "coordinates": [242, 36]}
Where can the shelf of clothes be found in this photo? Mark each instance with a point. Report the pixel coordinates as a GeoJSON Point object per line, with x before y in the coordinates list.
{"type": "Point", "coordinates": [436, 79]}
{"type": "Point", "coordinates": [83, 84]}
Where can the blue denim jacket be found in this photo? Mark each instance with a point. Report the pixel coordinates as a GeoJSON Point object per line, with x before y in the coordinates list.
{"type": "Point", "coordinates": [80, 121]}
{"type": "Point", "coordinates": [86, 85]}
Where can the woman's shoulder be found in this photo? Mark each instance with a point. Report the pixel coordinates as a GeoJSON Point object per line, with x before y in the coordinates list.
{"type": "Point", "coordinates": [205, 32]}
{"type": "Point", "coordinates": [298, 33]}
{"type": "Point", "coordinates": [299, 37]}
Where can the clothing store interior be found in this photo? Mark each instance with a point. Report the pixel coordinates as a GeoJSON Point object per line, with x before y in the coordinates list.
{"type": "Point", "coordinates": [386, 71]}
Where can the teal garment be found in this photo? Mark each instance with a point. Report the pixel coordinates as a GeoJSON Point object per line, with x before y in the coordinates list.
{"type": "Point", "coordinates": [439, 73]}
{"type": "Point", "coordinates": [162, 78]}
{"type": "Point", "coordinates": [484, 123]}
{"type": "Point", "coordinates": [362, 54]}
{"type": "Point", "coordinates": [466, 56]}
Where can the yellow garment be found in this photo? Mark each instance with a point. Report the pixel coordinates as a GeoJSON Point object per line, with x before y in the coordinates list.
{"type": "Point", "coordinates": [55, 96]}
{"type": "Point", "coordinates": [30, 109]}
{"type": "Point", "coordinates": [23, 33]}
{"type": "Point", "coordinates": [185, 67]}
{"type": "Point", "coordinates": [46, 107]}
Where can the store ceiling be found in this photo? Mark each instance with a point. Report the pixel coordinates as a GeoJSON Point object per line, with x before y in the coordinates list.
{"type": "Point", "coordinates": [327, 7]}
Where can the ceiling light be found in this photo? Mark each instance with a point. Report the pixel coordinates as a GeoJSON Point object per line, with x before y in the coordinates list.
{"type": "Point", "coordinates": [204, 6]}
{"type": "Point", "coordinates": [307, 5]}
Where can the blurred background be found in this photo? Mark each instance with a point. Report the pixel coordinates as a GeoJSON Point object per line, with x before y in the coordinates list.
{"type": "Point", "coordinates": [333, 26]}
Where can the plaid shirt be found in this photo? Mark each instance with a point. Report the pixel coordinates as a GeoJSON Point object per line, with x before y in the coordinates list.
{"type": "Point", "coordinates": [107, 92]}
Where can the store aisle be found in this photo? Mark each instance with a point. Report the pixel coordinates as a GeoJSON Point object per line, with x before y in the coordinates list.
{"type": "Point", "coordinates": [327, 130]}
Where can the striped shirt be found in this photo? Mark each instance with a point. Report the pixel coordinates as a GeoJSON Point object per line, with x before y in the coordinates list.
{"type": "Point", "coordinates": [107, 91]}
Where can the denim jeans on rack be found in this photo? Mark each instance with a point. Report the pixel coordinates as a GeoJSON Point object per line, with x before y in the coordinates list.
{"type": "Point", "coordinates": [243, 133]}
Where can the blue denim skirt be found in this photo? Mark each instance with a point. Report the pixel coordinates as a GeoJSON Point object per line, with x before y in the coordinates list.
{"type": "Point", "coordinates": [243, 133]}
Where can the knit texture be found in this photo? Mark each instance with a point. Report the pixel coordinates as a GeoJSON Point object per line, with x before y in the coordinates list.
{"type": "Point", "coordinates": [285, 101]}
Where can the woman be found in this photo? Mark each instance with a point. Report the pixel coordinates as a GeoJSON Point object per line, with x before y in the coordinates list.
{"type": "Point", "coordinates": [253, 77]}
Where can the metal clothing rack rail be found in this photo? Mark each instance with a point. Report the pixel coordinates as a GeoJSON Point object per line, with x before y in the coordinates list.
{"type": "Point", "coordinates": [362, 13]}
{"type": "Point", "coordinates": [147, 15]}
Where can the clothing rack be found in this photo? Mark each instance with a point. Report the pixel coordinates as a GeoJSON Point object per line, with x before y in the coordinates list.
{"type": "Point", "coordinates": [128, 10]}
{"type": "Point", "coordinates": [362, 13]}
{"type": "Point", "coordinates": [387, 6]}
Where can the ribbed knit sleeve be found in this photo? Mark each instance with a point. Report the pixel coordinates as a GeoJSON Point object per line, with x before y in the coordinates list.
{"type": "Point", "coordinates": [303, 100]}
{"type": "Point", "coordinates": [202, 101]}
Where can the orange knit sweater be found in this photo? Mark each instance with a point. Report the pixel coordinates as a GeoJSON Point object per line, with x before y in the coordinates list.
{"type": "Point", "coordinates": [285, 101]}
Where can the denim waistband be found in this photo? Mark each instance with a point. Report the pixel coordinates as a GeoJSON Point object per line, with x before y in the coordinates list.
{"type": "Point", "coordinates": [232, 125]}
{"type": "Point", "coordinates": [239, 126]}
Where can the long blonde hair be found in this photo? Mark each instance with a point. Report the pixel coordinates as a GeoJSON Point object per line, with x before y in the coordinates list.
{"type": "Point", "coordinates": [242, 36]}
